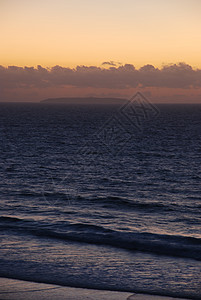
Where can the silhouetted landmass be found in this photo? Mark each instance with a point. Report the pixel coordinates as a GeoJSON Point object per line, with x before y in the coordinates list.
{"type": "Point", "coordinates": [85, 100]}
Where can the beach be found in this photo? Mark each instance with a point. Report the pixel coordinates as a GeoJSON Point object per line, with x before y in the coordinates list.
{"type": "Point", "coordinates": [18, 289]}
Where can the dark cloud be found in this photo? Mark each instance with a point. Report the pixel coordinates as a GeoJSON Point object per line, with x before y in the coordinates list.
{"type": "Point", "coordinates": [125, 76]}
{"type": "Point", "coordinates": [111, 63]}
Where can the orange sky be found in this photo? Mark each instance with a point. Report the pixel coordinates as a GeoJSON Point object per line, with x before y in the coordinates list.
{"type": "Point", "coordinates": [76, 32]}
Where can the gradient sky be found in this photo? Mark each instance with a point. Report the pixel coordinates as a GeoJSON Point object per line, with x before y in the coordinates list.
{"type": "Point", "coordinates": [70, 33]}
{"type": "Point", "coordinates": [88, 32]}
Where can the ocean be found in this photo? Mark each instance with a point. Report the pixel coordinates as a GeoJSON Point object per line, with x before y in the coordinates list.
{"type": "Point", "coordinates": [102, 196]}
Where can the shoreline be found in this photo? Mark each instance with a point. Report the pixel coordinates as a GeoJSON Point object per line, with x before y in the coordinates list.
{"type": "Point", "coordinates": [28, 290]}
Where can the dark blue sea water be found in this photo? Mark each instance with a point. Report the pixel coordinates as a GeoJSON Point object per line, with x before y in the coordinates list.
{"type": "Point", "coordinates": [93, 196]}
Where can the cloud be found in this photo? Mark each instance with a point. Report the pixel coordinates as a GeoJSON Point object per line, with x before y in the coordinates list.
{"type": "Point", "coordinates": [125, 76]}
{"type": "Point", "coordinates": [111, 63]}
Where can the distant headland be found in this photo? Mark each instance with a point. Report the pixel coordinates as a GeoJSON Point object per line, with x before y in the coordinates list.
{"type": "Point", "coordinates": [85, 100]}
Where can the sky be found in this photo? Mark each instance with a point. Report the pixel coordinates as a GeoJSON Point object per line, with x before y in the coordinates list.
{"type": "Point", "coordinates": [105, 37]}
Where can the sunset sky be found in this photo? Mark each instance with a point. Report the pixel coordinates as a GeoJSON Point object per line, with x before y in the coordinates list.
{"type": "Point", "coordinates": [71, 33]}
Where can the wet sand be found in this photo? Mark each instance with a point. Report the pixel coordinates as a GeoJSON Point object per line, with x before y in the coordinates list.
{"type": "Point", "coordinates": [24, 290]}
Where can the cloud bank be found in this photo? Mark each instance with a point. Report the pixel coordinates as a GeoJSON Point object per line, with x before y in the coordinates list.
{"type": "Point", "coordinates": [171, 83]}
{"type": "Point", "coordinates": [115, 77]}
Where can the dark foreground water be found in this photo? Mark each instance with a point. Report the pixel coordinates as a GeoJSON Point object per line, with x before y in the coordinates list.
{"type": "Point", "coordinates": [91, 200]}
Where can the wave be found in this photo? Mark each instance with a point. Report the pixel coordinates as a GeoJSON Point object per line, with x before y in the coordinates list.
{"type": "Point", "coordinates": [160, 244]}
{"type": "Point", "coordinates": [121, 202]}
{"type": "Point", "coordinates": [112, 202]}
{"type": "Point", "coordinates": [140, 204]}
{"type": "Point", "coordinates": [117, 202]}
